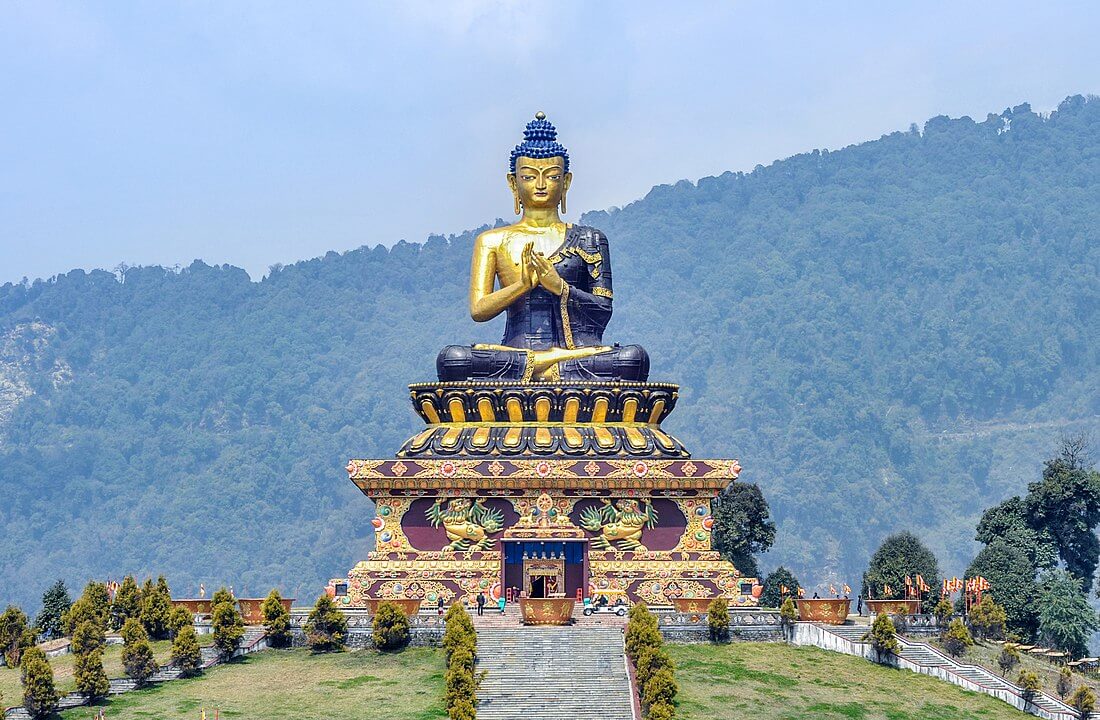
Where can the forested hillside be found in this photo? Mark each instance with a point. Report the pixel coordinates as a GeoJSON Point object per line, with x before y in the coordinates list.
{"type": "Point", "coordinates": [892, 335]}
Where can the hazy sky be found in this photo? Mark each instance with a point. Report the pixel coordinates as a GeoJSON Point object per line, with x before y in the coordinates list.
{"type": "Point", "coordinates": [256, 133]}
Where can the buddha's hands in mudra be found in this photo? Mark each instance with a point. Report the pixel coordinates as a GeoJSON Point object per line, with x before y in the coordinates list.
{"type": "Point", "coordinates": [538, 270]}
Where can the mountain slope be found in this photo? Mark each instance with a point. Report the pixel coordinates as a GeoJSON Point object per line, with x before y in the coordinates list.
{"type": "Point", "coordinates": [890, 335]}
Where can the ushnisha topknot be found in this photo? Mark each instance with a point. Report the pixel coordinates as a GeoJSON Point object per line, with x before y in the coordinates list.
{"type": "Point", "coordinates": [540, 141]}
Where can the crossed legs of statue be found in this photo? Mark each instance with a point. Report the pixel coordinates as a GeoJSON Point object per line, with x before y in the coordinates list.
{"type": "Point", "coordinates": [499, 362]}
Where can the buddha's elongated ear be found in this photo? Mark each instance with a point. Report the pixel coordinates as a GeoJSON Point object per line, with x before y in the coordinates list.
{"type": "Point", "coordinates": [565, 180]}
{"type": "Point", "coordinates": [515, 192]}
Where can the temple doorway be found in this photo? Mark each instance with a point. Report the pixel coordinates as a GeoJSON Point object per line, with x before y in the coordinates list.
{"type": "Point", "coordinates": [544, 569]}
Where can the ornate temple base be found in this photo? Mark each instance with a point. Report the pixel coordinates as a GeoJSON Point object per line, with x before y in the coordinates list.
{"type": "Point", "coordinates": [452, 529]}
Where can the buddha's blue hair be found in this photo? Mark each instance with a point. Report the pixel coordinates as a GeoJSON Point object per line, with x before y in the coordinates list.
{"type": "Point", "coordinates": [540, 141]}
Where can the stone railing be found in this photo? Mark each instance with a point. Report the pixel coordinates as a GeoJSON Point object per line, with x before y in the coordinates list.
{"type": "Point", "coordinates": [425, 629]}
{"type": "Point", "coordinates": [754, 625]}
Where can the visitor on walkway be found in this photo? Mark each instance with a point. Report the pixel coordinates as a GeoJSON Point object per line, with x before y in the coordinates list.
{"type": "Point", "coordinates": [439, 606]}
{"type": "Point", "coordinates": [500, 604]}
{"type": "Point", "coordinates": [481, 603]}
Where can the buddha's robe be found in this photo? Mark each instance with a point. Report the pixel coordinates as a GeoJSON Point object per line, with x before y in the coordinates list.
{"type": "Point", "coordinates": [541, 320]}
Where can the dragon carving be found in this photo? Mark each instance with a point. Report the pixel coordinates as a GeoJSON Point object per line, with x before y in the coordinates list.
{"type": "Point", "coordinates": [468, 524]}
{"type": "Point", "coordinates": [620, 525]}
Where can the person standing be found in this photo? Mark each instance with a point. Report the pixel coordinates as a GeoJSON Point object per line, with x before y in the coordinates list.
{"type": "Point", "coordinates": [439, 606]}
{"type": "Point", "coordinates": [500, 604]}
{"type": "Point", "coordinates": [481, 603]}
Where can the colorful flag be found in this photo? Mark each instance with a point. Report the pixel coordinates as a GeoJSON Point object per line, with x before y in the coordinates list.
{"type": "Point", "coordinates": [801, 592]}
{"type": "Point", "coordinates": [783, 590]}
{"type": "Point", "coordinates": [908, 581]}
{"type": "Point", "coordinates": [847, 590]}
{"type": "Point", "coordinates": [832, 589]}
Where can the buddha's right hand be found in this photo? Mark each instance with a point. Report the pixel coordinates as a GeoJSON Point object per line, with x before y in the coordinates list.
{"type": "Point", "coordinates": [528, 269]}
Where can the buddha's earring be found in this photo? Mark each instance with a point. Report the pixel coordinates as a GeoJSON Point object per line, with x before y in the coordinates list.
{"type": "Point", "coordinates": [563, 203]}
{"type": "Point", "coordinates": [515, 202]}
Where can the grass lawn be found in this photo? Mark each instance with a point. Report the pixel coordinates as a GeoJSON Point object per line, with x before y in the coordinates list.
{"type": "Point", "coordinates": [294, 684]}
{"type": "Point", "coordinates": [772, 681]}
{"type": "Point", "coordinates": [62, 665]}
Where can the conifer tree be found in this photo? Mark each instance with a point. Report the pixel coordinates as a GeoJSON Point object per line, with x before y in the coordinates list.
{"type": "Point", "coordinates": [93, 605]}
{"type": "Point", "coordinates": [186, 654]}
{"type": "Point", "coordinates": [179, 617]}
{"type": "Point", "coordinates": [883, 636]}
{"type": "Point", "coordinates": [276, 620]}
{"type": "Point", "coordinates": [1066, 620]}
{"type": "Point", "coordinates": [87, 646]}
{"type": "Point", "coordinates": [326, 626]}
{"type": "Point", "coordinates": [88, 637]}
{"type": "Point", "coordinates": [55, 603]}
{"type": "Point", "coordinates": [228, 628]}
{"type": "Point", "coordinates": [221, 595]}
{"type": "Point", "coordinates": [1008, 659]}
{"type": "Point", "coordinates": [137, 654]}
{"type": "Point", "coordinates": [15, 636]}
{"type": "Point", "coordinates": [89, 675]}
{"type": "Point", "coordinates": [39, 693]}
{"type": "Point", "coordinates": [127, 603]}
{"type": "Point", "coordinates": [156, 608]}
{"type": "Point", "coordinates": [389, 627]}
{"type": "Point", "coordinates": [957, 638]}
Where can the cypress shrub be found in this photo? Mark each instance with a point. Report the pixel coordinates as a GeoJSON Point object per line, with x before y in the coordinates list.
{"type": "Point", "coordinates": [137, 654]}
{"type": "Point", "coordinates": [127, 602]}
{"type": "Point", "coordinates": [883, 636]}
{"type": "Point", "coordinates": [276, 620]}
{"type": "Point", "coordinates": [661, 688]}
{"type": "Point", "coordinates": [228, 628]}
{"type": "Point", "coordinates": [326, 628]}
{"type": "Point", "coordinates": [156, 609]}
{"type": "Point", "coordinates": [718, 619]}
{"type": "Point", "coordinates": [661, 711]}
{"type": "Point", "coordinates": [177, 619]}
{"type": "Point", "coordinates": [221, 595]}
{"type": "Point", "coordinates": [460, 643]}
{"type": "Point", "coordinates": [390, 627]}
{"type": "Point", "coordinates": [186, 654]}
{"type": "Point", "coordinates": [90, 677]}
{"type": "Point", "coordinates": [39, 693]}
{"type": "Point", "coordinates": [957, 638]}
{"type": "Point", "coordinates": [649, 662]}
{"type": "Point", "coordinates": [15, 636]}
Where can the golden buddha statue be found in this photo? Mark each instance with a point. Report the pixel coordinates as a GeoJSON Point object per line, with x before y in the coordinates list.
{"type": "Point", "coordinates": [552, 278]}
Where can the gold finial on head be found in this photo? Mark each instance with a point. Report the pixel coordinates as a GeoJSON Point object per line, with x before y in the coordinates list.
{"type": "Point", "coordinates": [540, 115]}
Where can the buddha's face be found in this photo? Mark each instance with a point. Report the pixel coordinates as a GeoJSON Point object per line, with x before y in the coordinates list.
{"type": "Point", "coordinates": [539, 183]}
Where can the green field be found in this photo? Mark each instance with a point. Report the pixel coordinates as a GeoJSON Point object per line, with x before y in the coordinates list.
{"type": "Point", "coordinates": [764, 681]}
{"type": "Point", "coordinates": [62, 665]}
{"type": "Point", "coordinates": [294, 684]}
{"type": "Point", "coordinates": [770, 681]}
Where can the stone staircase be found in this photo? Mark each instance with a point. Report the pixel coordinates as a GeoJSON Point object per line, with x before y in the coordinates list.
{"type": "Point", "coordinates": [932, 661]}
{"type": "Point", "coordinates": [553, 673]}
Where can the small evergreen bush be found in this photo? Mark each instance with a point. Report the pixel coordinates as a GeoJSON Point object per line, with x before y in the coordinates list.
{"type": "Point", "coordinates": [1065, 682]}
{"type": "Point", "coordinates": [661, 688]}
{"type": "Point", "coordinates": [1008, 659]}
{"type": "Point", "coordinates": [326, 628]}
{"type": "Point", "coordinates": [718, 619]}
{"type": "Point", "coordinates": [1029, 683]}
{"type": "Point", "coordinates": [957, 638]}
{"type": "Point", "coordinates": [39, 693]}
{"type": "Point", "coordinates": [89, 675]}
{"type": "Point", "coordinates": [137, 654]}
{"type": "Point", "coordinates": [661, 711]}
{"type": "Point", "coordinates": [127, 603]}
{"type": "Point", "coordinates": [276, 620]}
{"type": "Point", "coordinates": [883, 636]}
{"type": "Point", "coordinates": [228, 628]}
{"type": "Point", "coordinates": [1083, 701]}
{"type": "Point", "coordinates": [390, 627]}
{"type": "Point", "coordinates": [186, 654]}
{"type": "Point", "coordinates": [15, 636]}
